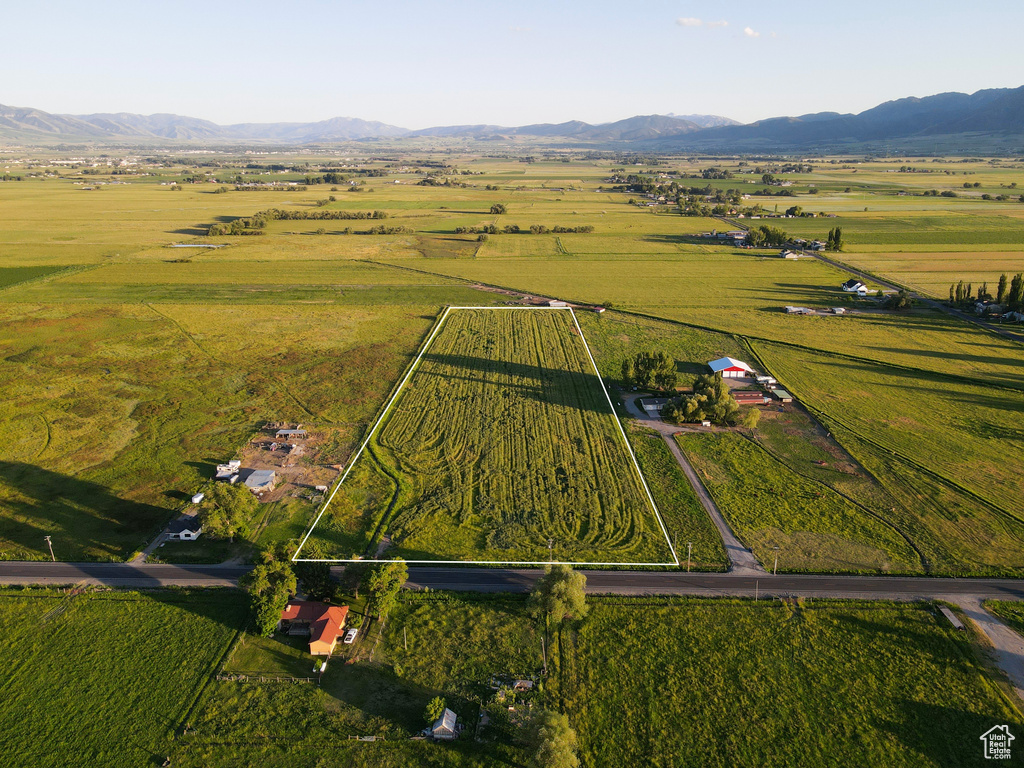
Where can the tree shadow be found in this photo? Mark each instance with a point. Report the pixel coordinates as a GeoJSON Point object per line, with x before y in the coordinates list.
{"type": "Point", "coordinates": [85, 518]}
{"type": "Point", "coordinates": [943, 735]}
{"type": "Point", "coordinates": [570, 389]}
{"type": "Point", "coordinates": [196, 231]}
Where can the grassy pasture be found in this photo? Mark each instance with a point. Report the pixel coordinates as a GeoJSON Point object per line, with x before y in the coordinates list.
{"type": "Point", "coordinates": [947, 450]}
{"type": "Point", "coordinates": [109, 680]}
{"type": "Point", "coordinates": [769, 505]}
{"type": "Point", "coordinates": [501, 441]}
{"type": "Point", "coordinates": [878, 684]}
{"type": "Point", "coordinates": [430, 646]}
{"type": "Point", "coordinates": [115, 413]}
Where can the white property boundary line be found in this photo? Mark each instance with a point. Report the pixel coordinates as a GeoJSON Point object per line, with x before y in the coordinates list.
{"type": "Point", "coordinates": [387, 409]}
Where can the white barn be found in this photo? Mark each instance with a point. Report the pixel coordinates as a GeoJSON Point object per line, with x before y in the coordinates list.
{"type": "Point", "coordinates": [730, 368]}
{"type": "Point", "coordinates": [444, 726]}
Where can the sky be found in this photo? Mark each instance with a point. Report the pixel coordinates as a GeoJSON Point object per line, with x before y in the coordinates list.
{"type": "Point", "coordinates": [426, 63]}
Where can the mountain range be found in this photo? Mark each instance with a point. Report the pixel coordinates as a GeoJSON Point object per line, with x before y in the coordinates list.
{"type": "Point", "coordinates": [994, 113]}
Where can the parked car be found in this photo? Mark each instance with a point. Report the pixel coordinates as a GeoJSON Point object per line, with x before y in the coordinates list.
{"type": "Point", "coordinates": [350, 636]}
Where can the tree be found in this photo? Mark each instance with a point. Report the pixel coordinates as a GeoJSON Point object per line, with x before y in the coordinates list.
{"type": "Point", "coordinates": [711, 399]}
{"type": "Point", "coordinates": [1016, 292]}
{"type": "Point", "coordinates": [1001, 289]}
{"type": "Point", "coordinates": [315, 578]}
{"type": "Point", "coordinates": [650, 370]}
{"type": "Point", "coordinates": [559, 595]}
{"type": "Point", "coordinates": [765, 236]}
{"type": "Point", "coordinates": [751, 418]}
{"type": "Point", "coordinates": [795, 210]}
{"type": "Point", "coordinates": [383, 583]}
{"type": "Point", "coordinates": [555, 741]}
{"type": "Point", "coordinates": [899, 301]}
{"type": "Point", "coordinates": [835, 240]}
{"type": "Point", "coordinates": [435, 708]}
{"type": "Point", "coordinates": [498, 208]}
{"type": "Point", "coordinates": [227, 511]}
{"type": "Point", "coordinates": [952, 293]}
{"type": "Point", "coordinates": [270, 584]}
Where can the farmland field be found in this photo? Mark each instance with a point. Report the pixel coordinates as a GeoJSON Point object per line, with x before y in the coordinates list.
{"type": "Point", "coordinates": [659, 681]}
{"type": "Point", "coordinates": [768, 505]}
{"type": "Point", "coordinates": [503, 447]}
{"type": "Point", "coordinates": [864, 684]}
{"type": "Point", "coordinates": [106, 678]}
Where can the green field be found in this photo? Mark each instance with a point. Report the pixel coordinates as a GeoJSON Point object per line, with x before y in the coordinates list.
{"type": "Point", "coordinates": [769, 505]}
{"type": "Point", "coordinates": [644, 680]}
{"type": "Point", "coordinates": [707, 684]}
{"type": "Point", "coordinates": [501, 447]}
{"type": "Point", "coordinates": [131, 367]}
{"type": "Point", "coordinates": [106, 678]}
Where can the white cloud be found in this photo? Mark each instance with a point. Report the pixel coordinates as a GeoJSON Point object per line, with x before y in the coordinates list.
{"type": "Point", "coordinates": [750, 33]}
{"type": "Point", "coordinates": [713, 24]}
{"type": "Point", "coordinates": [520, 29]}
{"type": "Point", "coordinates": [689, 22]}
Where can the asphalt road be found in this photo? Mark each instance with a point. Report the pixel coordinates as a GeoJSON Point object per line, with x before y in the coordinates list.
{"type": "Point", "coordinates": [521, 580]}
{"type": "Point", "coordinates": [121, 574]}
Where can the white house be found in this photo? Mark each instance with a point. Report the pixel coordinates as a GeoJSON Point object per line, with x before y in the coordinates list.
{"type": "Point", "coordinates": [853, 285]}
{"type": "Point", "coordinates": [730, 368]}
{"type": "Point", "coordinates": [186, 528]}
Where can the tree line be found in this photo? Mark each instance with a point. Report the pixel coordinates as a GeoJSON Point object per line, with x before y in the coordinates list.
{"type": "Point", "coordinates": [515, 229]}
{"type": "Point", "coordinates": [1009, 293]}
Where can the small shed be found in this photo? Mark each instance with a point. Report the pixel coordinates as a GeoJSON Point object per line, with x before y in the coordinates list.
{"type": "Point", "coordinates": [198, 498]}
{"type": "Point", "coordinates": [556, 303]}
{"type": "Point", "coordinates": [299, 434]}
{"type": "Point", "coordinates": [444, 726]}
{"type": "Point", "coordinates": [782, 396]}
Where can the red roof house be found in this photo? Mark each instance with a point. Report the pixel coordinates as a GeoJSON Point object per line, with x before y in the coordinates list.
{"type": "Point", "coordinates": [323, 623]}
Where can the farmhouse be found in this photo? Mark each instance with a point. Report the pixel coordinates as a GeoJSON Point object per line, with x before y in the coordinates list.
{"type": "Point", "coordinates": [730, 368]}
{"type": "Point", "coordinates": [444, 726]}
{"type": "Point", "coordinates": [321, 622]}
{"type": "Point", "coordinates": [186, 528]}
{"type": "Point", "coordinates": [853, 285]}
{"type": "Point", "coordinates": [786, 254]}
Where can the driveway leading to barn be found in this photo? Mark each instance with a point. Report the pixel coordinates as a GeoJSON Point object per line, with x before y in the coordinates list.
{"type": "Point", "coordinates": [741, 559]}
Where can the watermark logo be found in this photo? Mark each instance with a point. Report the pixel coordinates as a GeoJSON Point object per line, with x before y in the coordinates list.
{"type": "Point", "coordinates": [997, 742]}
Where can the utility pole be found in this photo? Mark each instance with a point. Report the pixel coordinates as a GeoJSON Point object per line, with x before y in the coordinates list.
{"type": "Point", "coordinates": [405, 639]}
{"type": "Point", "coordinates": [689, 551]}
{"type": "Point", "coordinates": [775, 569]}
{"type": "Point", "coordinates": [49, 542]}
{"type": "Point", "coordinates": [756, 585]}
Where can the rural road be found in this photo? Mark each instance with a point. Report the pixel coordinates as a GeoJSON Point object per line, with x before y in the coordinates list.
{"type": "Point", "coordinates": [741, 559]}
{"type": "Point", "coordinates": [521, 580]}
